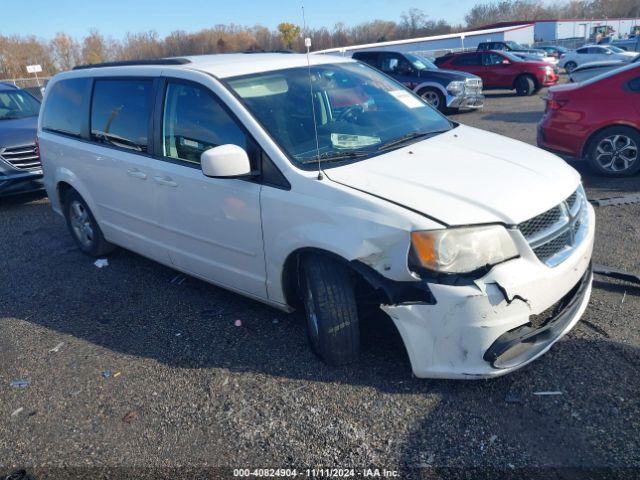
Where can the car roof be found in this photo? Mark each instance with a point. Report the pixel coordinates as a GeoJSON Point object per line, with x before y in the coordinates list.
{"type": "Point", "coordinates": [222, 65]}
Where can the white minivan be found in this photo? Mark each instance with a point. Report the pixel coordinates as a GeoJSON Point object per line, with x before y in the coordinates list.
{"type": "Point", "coordinates": [319, 185]}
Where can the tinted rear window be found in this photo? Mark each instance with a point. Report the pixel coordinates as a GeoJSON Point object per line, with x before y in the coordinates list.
{"type": "Point", "coordinates": [120, 113]}
{"type": "Point", "coordinates": [64, 111]}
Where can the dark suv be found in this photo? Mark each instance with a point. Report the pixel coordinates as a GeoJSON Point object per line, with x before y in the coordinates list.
{"type": "Point", "coordinates": [443, 89]}
{"type": "Point", "coordinates": [20, 167]}
{"type": "Point", "coordinates": [510, 47]}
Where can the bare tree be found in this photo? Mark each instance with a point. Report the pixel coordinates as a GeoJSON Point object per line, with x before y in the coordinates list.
{"type": "Point", "coordinates": [65, 51]}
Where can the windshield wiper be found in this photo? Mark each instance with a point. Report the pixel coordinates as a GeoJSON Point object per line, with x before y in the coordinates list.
{"type": "Point", "coordinates": [407, 138]}
{"type": "Point", "coordinates": [333, 156]}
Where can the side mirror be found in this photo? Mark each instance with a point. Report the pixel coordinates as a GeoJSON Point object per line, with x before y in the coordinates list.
{"type": "Point", "coordinates": [225, 161]}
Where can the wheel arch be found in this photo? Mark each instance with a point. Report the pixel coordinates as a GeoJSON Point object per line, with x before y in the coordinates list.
{"type": "Point", "coordinates": [388, 291]}
{"type": "Point", "coordinates": [435, 85]}
{"type": "Point", "coordinates": [526, 74]}
{"type": "Point", "coordinates": [587, 143]}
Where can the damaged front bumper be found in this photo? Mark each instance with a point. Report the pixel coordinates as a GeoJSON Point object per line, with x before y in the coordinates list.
{"type": "Point", "coordinates": [489, 327]}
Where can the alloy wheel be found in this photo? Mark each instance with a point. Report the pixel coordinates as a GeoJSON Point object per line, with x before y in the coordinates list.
{"type": "Point", "coordinates": [616, 153]}
{"type": "Point", "coordinates": [432, 98]}
{"type": "Point", "coordinates": [81, 223]}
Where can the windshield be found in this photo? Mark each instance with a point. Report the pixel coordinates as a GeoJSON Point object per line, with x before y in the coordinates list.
{"type": "Point", "coordinates": [420, 62]}
{"type": "Point", "coordinates": [17, 104]}
{"type": "Point", "coordinates": [513, 45]}
{"type": "Point", "coordinates": [359, 112]}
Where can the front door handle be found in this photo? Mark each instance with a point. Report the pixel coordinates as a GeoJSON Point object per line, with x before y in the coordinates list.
{"type": "Point", "coordinates": [166, 181]}
{"type": "Point", "coordinates": [135, 173]}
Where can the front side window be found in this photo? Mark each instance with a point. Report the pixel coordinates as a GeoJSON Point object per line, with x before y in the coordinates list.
{"type": "Point", "coordinates": [193, 121]}
{"type": "Point", "coordinates": [64, 111]}
{"type": "Point", "coordinates": [120, 113]}
{"type": "Point", "coordinates": [582, 50]}
{"type": "Point", "coordinates": [353, 105]}
{"type": "Point", "coordinates": [492, 59]}
{"type": "Point", "coordinates": [16, 104]}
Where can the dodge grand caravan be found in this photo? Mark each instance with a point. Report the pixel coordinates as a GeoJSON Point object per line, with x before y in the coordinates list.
{"type": "Point", "coordinates": [317, 186]}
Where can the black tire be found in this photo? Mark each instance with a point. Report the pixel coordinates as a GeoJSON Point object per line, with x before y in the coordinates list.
{"type": "Point", "coordinates": [330, 310]}
{"type": "Point", "coordinates": [83, 226]}
{"type": "Point", "coordinates": [525, 85]}
{"type": "Point", "coordinates": [570, 66]}
{"type": "Point", "coordinates": [434, 97]}
{"type": "Point", "coordinates": [624, 157]}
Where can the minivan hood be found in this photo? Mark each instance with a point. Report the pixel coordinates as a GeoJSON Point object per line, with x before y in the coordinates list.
{"type": "Point", "coordinates": [465, 176]}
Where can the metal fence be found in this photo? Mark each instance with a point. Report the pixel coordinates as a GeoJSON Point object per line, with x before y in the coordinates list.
{"type": "Point", "coordinates": [31, 85]}
{"type": "Point", "coordinates": [28, 82]}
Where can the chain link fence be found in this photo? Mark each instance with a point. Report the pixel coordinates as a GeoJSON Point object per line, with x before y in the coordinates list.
{"type": "Point", "coordinates": [30, 84]}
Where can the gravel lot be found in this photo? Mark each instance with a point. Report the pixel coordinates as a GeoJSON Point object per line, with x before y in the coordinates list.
{"type": "Point", "coordinates": [187, 388]}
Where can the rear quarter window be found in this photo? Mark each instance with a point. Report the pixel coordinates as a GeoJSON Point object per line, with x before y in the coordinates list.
{"type": "Point", "coordinates": [64, 110]}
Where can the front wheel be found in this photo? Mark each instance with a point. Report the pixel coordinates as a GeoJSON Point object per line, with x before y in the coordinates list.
{"type": "Point", "coordinates": [435, 98]}
{"type": "Point", "coordinates": [570, 66]}
{"type": "Point", "coordinates": [525, 86]}
{"type": "Point", "coordinates": [331, 311]}
{"type": "Point", "coordinates": [614, 152]}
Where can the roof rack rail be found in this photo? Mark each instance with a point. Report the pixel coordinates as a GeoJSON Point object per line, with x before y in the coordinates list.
{"type": "Point", "coordinates": [131, 63]}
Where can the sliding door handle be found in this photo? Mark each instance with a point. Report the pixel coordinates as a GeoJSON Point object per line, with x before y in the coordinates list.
{"type": "Point", "coordinates": [166, 181]}
{"type": "Point", "coordinates": [135, 173]}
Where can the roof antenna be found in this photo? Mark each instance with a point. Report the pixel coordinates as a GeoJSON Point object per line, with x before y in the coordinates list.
{"type": "Point", "coordinates": [307, 44]}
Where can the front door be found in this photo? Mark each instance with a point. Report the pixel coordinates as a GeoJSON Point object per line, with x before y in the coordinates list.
{"type": "Point", "coordinates": [212, 226]}
{"type": "Point", "coordinates": [497, 73]}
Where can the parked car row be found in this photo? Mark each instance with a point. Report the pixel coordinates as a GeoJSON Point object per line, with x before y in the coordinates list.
{"type": "Point", "coordinates": [446, 90]}
{"type": "Point", "coordinates": [594, 53]}
{"type": "Point", "coordinates": [502, 70]}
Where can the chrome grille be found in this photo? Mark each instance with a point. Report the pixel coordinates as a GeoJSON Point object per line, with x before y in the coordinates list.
{"type": "Point", "coordinates": [24, 157]}
{"type": "Point", "coordinates": [473, 84]}
{"type": "Point", "coordinates": [552, 235]}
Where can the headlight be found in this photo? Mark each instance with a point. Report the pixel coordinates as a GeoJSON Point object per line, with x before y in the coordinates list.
{"type": "Point", "coordinates": [455, 87]}
{"type": "Point", "coordinates": [461, 250]}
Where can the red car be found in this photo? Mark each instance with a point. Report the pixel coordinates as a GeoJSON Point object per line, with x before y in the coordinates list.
{"type": "Point", "coordinates": [598, 120]}
{"type": "Point", "coordinates": [502, 70]}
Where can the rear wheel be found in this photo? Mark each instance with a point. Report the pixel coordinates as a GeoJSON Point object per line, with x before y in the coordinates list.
{"type": "Point", "coordinates": [434, 97]}
{"type": "Point", "coordinates": [525, 86]}
{"type": "Point", "coordinates": [83, 226]}
{"type": "Point", "coordinates": [331, 310]}
{"type": "Point", "coordinates": [570, 66]}
{"type": "Point", "coordinates": [614, 152]}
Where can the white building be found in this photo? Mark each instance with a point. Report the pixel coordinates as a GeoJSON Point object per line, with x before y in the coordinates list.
{"type": "Point", "coordinates": [522, 33]}
{"type": "Point", "coordinates": [552, 30]}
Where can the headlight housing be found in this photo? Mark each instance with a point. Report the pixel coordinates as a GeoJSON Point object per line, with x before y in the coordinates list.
{"type": "Point", "coordinates": [461, 250]}
{"type": "Point", "coordinates": [455, 87]}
